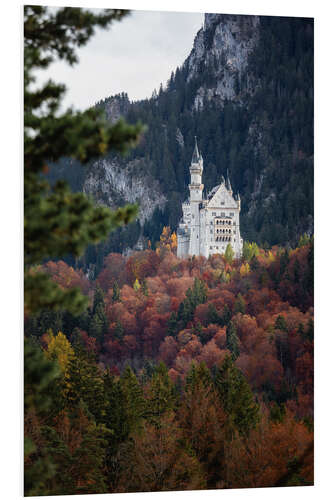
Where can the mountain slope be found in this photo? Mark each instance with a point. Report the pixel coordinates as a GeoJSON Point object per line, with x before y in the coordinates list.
{"type": "Point", "coordinates": [246, 91]}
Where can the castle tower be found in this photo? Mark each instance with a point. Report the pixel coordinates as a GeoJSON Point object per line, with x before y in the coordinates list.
{"type": "Point", "coordinates": [196, 188]}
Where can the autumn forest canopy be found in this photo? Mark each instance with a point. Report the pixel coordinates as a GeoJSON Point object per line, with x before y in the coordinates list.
{"type": "Point", "coordinates": [213, 358]}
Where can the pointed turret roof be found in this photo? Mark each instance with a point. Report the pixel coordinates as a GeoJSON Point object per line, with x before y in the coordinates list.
{"type": "Point", "coordinates": [228, 185]}
{"type": "Point", "coordinates": [195, 156]}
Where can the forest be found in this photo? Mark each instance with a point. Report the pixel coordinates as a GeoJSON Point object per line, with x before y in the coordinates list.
{"type": "Point", "coordinates": [180, 374]}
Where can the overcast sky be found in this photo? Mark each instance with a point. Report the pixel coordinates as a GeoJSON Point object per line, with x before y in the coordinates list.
{"type": "Point", "coordinates": [133, 56]}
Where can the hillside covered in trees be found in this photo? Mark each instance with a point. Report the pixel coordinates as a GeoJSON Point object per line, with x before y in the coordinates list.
{"type": "Point", "coordinates": [246, 92]}
{"type": "Point", "coordinates": [181, 374]}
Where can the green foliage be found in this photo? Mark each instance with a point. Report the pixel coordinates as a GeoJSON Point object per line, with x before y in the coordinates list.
{"type": "Point", "coordinates": [133, 401]}
{"type": "Point", "coordinates": [239, 306]}
{"type": "Point", "coordinates": [161, 395]}
{"type": "Point", "coordinates": [232, 340]}
{"type": "Point", "coordinates": [118, 331]}
{"type": "Point", "coordinates": [144, 288]}
{"type": "Point", "coordinates": [39, 376]}
{"type": "Point", "coordinates": [83, 382]}
{"type": "Point", "coordinates": [280, 323]}
{"type": "Point", "coordinates": [57, 221]}
{"type": "Point", "coordinates": [98, 321]}
{"type": "Point", "coordinates": [236, 398]}
{"type": "Point", "coordinates": [277, 412]}
{"type": "Point", "coordinates": [197, 375]}
{"type": "Point", "coordinates": [172, 325]}
{"type": "Point", "coordinates": [115, 292]}
{"type": "Point", "coordinates": [194, 296]}
{"type": "Point", "coordinates": [304, 240]}
{"type": "Point", "coordinates": [229, 254]}
{"type": "Point", "coordinates": [250, 250]}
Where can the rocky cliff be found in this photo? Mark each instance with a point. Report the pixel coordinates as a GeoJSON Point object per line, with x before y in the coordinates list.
{"type": "Point", "coordinates": [114, 182]}
{"type": "Point", "coordinates": [221, 50]}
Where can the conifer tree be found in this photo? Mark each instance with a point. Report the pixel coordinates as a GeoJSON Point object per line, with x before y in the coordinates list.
{"type": "Point", "coordinates": [115, 292]}
{"type": "Point", "coordinates": [58, 222]}
{"type": "Point", "coordinates": [239, 306]}
{"type": "Point", "coordinates": [232, 340]}
{"type": "Point", "coordinates": [236, 398]}
{"type": "Point", "coordinates": [118, 331]}
{"type": "Point", "coordinates": [172, 325]}
{"type": "Point", "coordinates": [161, 395]}
{"type": "Point", "coordinates": [229, 254]}
{"type": "Point", "coordinates": [133, 401]}
{"type": "Point", "coordinates": [40, 374]}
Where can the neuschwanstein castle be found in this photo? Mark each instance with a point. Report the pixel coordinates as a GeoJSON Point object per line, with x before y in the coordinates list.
{"type": "Point", "coordinates": [208, 224]}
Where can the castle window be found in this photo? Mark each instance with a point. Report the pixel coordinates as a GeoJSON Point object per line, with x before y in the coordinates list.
{"type": "Point", "coordinates": [231, 214]}
{"type": "Point", "coordinates": [214, 214]}
{"type": "Point", "coordinates": [210, 248]}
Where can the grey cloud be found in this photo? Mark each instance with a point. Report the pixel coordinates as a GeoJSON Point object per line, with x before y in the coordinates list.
{"type": "Point", "coordinates": [134, 56]}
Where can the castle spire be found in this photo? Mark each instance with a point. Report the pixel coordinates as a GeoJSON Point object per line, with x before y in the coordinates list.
{"type": "Point", "coordinates": [228, 185]}
{"type": "Point", "coordinates": [195, 156]}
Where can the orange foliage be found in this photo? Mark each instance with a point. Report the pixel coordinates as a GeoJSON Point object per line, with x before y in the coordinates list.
{"type": "Point", "coordinates": [66, 277]}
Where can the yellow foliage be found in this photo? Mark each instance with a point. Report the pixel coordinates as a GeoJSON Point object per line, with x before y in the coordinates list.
{"type": "Point", "coordinates": [244, 269]}
{"type": "Point", "coordinates": [60, 349]}
{"type": "Point", "coordinates": [136, 285]}
{"type": "Point", "coordinates": [271, 256]}
{"type": "Point", "coordinates": [168, 241]}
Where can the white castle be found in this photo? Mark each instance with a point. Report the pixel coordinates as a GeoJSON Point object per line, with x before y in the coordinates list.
{"type": "Point", "coordinates": [209, 224]}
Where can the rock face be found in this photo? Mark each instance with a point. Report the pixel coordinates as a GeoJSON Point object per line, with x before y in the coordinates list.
{"type": "Point", "coordinates": [113, 183]}
{"type": "Point", "coordinates": [221, 50]}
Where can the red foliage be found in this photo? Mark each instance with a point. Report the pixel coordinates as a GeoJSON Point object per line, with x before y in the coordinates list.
{"type": "Point", "coordinates": [66, 277]}
{"type": "Point", "coordinates": [113, 270]}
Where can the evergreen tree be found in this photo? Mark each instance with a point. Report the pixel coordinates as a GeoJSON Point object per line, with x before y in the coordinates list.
{"type": "Point", "coordinates": [232, 340]}
{"type": "Point", "coordinates": [172, 325]}
{"type": "Point", "coordinates": [58, 222]}
{"type": "Point", "coordinates": [226, 315]}
{"type": "Point", "coordinates": [133, 401]}
{"type": "Point", "coordinates": [236, 398]}
{"type": "Point", "coordinates": [161, 395]}
{"type": "Point", "coordinates": [40, 374]}
{"type": "Point", "coordinates": [239, 306]}
{"type": "Point", "coordinates": [229, 254]}
{"type": "Point", "coordinates": [280, 323]}
{"type": "Point", "coordinates": [118, 331]}
{"type": "Point", "coordinates": [144, 288]}
{"type": "Point", "coordinates": [115, 292]}
{"type": "Point", "coordinates": [212, 315]}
